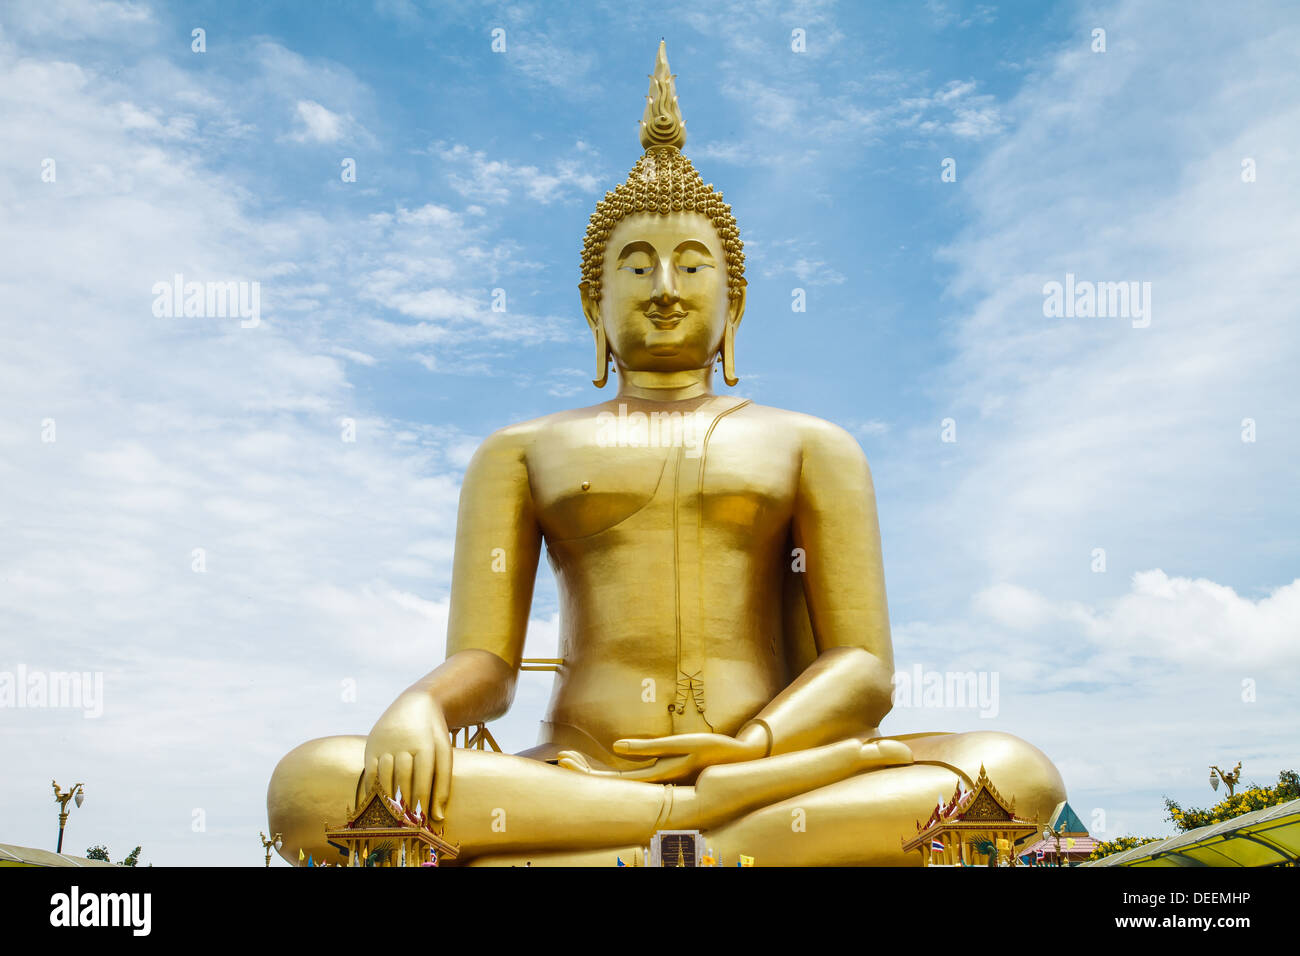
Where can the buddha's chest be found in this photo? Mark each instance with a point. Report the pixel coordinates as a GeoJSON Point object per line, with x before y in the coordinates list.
{"type": "Point", "coordinates": [595, 476]}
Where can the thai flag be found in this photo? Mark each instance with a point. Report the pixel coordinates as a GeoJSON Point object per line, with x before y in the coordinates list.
{"type": "Point", "coordinates": [936, 845]}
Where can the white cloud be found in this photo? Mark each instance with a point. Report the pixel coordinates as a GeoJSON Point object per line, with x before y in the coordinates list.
{"type": "Point", "coordinates": [568, 381]}
{"type": "Point", "coordinates": [1204, 623]}
{"type": "Point", "coordinates": [824, 112]}
{"type": "Point", "coordinates": [430, 214]}
{"type": "Point", "coordinates": [793, 258]}
{"type": "Point", "coordinates": [78, 18]}
{"type": "Point", "coordinates": [556, 58]}
{"type": "Point", "coordinates": [1180, 621]}
{"type": "Point", "coordinates": [361, 358]}
{"type": "Point", "coordinates": [871, 428]}
{"type": "Point", "coordinates": [496, 180]}
{"type": "Point", "coordinates": [954, 108]}
{"type": "Point", "coordinates": [316, 124]}
{"type": "Point", "coordinates": [946, 14]}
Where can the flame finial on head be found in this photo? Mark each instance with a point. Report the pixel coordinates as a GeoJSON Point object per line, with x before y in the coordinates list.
{"type": "Point", "coordinates": [662, 124]}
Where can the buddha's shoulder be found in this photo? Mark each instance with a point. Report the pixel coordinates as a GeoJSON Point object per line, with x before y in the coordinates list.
{"type": "Point", "coordinates": [809, 431]}
{"type": "Point", "coordinates": [520, 436]}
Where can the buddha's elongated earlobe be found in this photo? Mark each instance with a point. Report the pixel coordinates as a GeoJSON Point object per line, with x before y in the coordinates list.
{"type": "Point", "coordinates": [591, 312]}
{"type": "Point", "coordinates": [729, 355]}
{"type": "Point", "coordinates": [602, 357]}
{"type": "Point", "coordinates": [735, 312]}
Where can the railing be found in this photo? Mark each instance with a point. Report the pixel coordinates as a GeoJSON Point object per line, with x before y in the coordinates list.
{"type": "Point", "coordinates": [478, 737]}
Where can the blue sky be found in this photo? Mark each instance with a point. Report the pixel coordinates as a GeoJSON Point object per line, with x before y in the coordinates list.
{"type": "Point", "coordinates": [328, 562]}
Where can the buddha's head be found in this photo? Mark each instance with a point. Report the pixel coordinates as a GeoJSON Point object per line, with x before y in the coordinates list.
{"type": "Point", "coordinates": [663, 285]}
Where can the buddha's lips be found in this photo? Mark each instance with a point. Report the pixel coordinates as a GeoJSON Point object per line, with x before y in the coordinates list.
{"type": "Point", "coordinates": [665, 322]}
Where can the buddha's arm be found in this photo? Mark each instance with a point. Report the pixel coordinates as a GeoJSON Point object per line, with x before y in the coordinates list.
{"type": "Point", "coordinates": [847, 690]}
{"type": "Point", "coordinates": [497, 546]}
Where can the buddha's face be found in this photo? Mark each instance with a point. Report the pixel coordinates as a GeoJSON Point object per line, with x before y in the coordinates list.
{"type": "Point", "coordinates": [663, 303]}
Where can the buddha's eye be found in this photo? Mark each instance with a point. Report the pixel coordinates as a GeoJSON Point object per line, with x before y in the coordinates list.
{"type": "Point", "coordinates": [698, 267]}
{"type": "Point", "coordinates": [639, 270]}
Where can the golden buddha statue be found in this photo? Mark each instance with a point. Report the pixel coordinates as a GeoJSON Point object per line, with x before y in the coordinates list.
{"type": "Point", "coordinates": [725, 646]}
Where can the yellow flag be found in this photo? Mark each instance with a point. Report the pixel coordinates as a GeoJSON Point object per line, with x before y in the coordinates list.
{"type": "Point", "coordinates": [1069, 843]}
{"type": "Point", "coordinates": [746, 860]}
{"type": "Point", "coordinates": [301, 856]}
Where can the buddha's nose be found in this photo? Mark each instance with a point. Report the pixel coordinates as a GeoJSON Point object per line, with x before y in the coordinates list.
{"type": "Point", "coordinates": [665, 288]}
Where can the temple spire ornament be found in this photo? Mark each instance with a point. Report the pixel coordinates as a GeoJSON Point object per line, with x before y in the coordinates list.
{"type": "Point", "coordinates": [662, 124]}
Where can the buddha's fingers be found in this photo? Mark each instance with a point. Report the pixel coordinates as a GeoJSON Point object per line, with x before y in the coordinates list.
{"type": "Point", "coordinates": [402, 765]}
{"type": "Point", "coordinates": [573, 760]}
{"type": "Point", "coordinates": [422, 780]}
{"type": "Point", "coordinates": [655, 774]}
{"type": "Point", "coordinates": [671, 746]}
{"type": "Point", "coordinates": [364, 781]}
{"type": "Point", "coordinates": [386, 773]}
{"type": "Point", "coordinates": [662, 770]}
{"type": "Point", "coordinates": [442, 751]}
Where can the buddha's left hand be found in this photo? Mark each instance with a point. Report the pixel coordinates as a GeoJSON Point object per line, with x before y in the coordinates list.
{"type": "Point", "coordinates": [679, 756]}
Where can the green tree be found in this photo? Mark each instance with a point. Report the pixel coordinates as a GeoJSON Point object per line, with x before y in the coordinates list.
{"type": "Point", "coordinates": [1119, 845]}
{"type": "Point", "coordinates": [100, 852]}
{"type": "Point", "coordinates": [1253, 797]}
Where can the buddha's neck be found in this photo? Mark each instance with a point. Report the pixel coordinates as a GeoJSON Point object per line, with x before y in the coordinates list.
{"type": "Point", "coordinates": [665, 386]}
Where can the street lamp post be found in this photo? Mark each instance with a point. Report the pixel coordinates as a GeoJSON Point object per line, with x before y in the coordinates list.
{"type": "Point", "coordinates": [77, 793]}
{"type": "Point", "coordinates": [1230, 779]}
{"type": "Point", "coordinates": [1049, 834]}
{"type": "Point", "coordinates": [272, 844]}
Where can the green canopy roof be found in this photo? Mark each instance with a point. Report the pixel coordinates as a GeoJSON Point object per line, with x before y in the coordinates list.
{"type": "Point", "coordinates": [30, 856]}
{"type": "Point", "coordinates": [1260, 838]}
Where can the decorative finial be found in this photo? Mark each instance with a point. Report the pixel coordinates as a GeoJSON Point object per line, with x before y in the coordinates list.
{"type": "Point", "coordinates": [662, 124]}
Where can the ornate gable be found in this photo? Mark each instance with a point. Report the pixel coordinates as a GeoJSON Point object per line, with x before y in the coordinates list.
{"type": "Point", "coordinates": [984, 802]}
{"type": "Point", "coordinates": [984, 807]}
{"type": "Point", "coordinates": [375, 814]}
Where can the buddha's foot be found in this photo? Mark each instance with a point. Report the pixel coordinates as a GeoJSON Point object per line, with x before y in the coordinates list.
{"type": "Point", "coordinates": [726, 791]}
{"type": "Point", "coordinates": [885, 753]}
{"type": "Point", "coordinates": [574, 760]}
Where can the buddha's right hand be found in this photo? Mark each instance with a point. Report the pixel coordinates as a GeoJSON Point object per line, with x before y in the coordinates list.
{"type": "Point", "coordinates": [409, 749]}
